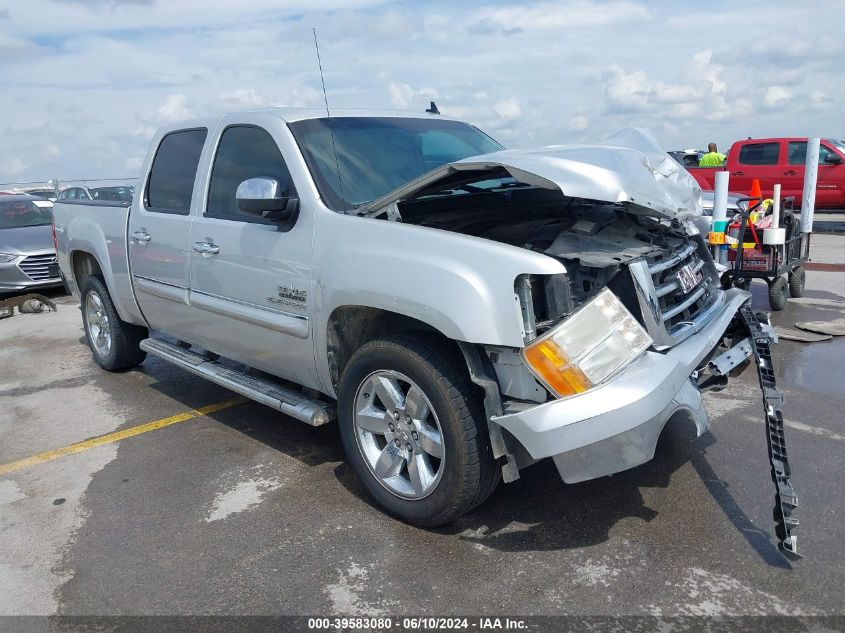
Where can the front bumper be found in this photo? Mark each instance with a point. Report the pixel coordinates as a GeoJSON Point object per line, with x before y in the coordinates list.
{"type": "Point", "coordinates": [615, 427]}
{"type": "Point", "coordinates": [14, 279]}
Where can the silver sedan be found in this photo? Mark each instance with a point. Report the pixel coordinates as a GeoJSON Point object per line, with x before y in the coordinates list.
{"type": "Point", "coordinates": [27, 252]}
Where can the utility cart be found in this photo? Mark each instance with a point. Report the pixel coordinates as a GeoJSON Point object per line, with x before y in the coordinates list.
{"type": "Point", "coordinates": [778, 257]}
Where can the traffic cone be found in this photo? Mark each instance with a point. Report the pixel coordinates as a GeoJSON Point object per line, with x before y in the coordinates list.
{"type": "Point", "coordinates": [755, 193]}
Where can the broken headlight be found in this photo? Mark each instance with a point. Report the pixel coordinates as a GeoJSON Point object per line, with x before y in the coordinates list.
{"type": "Point", "coordinates": [600, 339]}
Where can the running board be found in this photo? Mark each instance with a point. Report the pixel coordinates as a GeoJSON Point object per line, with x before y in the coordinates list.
{"type": "Point", "coordinates": [288, 401]}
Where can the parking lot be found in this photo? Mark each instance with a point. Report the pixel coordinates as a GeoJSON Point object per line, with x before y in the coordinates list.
{"type": "Point", "coordinates": [209, 505]}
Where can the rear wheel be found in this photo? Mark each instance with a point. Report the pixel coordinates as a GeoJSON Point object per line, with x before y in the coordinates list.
{"type": "Point", "coordinates": [797, 279]}
{"type": "Point", "coordinates": [414, 430]}
{"type": "Point", "coordinates": [113, 342]}
{"type": "Point", "coordinates": [777, 294]}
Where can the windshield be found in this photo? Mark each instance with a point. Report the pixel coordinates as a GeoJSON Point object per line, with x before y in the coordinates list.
{"type": "Point", "coordinates": [840, 145]}
{"type": "Point", "coordinates": [18, 213]}
{"type": "Point", "coordinates": [376, 155]}
{"type": "Point", "coordinates": [118, 194]}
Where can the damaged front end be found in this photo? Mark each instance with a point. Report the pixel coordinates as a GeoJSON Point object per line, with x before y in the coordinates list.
{"type": "Point", "coordinates": [661, 330]}
{"type": "Point", "coordinates": [618, 217]}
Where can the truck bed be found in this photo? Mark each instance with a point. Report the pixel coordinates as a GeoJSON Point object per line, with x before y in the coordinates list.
{"type": "Point", "coordinates": [98, 228]}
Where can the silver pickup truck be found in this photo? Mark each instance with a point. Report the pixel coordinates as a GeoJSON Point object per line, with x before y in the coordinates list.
{"type": "Point", "coordinates": [462, 310]}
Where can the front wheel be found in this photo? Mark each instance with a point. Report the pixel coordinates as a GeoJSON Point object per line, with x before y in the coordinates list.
{"type": "Point", "coordinates": [114, 343]}
{"type": "Point", "coordinates": [777, 294]}
{"type": "Point", "coordinates": [413, 429]}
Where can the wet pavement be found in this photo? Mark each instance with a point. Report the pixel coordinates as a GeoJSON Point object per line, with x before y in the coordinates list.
{"type": "Point", "coordinates": [244, 511]}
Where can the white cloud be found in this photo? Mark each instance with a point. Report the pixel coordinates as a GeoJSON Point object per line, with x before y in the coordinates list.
{"type": "Point", "coordinates": [13, 167]}
{"type": "Point", "coordinates": [777, 96]}
{"type": "Point", "coordinates": [508, 109]}
{"type": "Point", "coordinates": [559, 15]}
{"type": "Point", "coordinates": [243, 98]}
{"type": "Point", "coordinates": [99, 77]}
{"type": "Point", "coordinates": [133, 164]}
{"type": "Point", "coordinates": [14, 47]}
{"type": "Point", "coordinates": [699, 90]}
{"type": "Point", "coordinates": [175, 108]}
{"type": "Point", "coordinates": [578, 122]}
{"type": "Point", "coordinates": [52, 151]}
{"type": "Point", "coordinates": [627, 91]}
{"type": "Point", "coordinates": [819, 98]}
{"type": "Point", "coordinates": [400, 94]}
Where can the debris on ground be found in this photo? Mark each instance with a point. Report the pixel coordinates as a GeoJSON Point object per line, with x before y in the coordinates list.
{"type": "Point", "coordinates": [791, 334]}
{"type": "Point", "coordinates": [26, 304]}
{"type": "Point", "coordinates": [831, 328]}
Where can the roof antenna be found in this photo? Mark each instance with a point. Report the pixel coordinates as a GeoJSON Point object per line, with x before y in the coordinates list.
{"type": "Point", "coordinates": [432, 109]}
{"type": "Point", "coordinates": [328, 122]}
{"type": "Point", "coordinates": [320, 65]}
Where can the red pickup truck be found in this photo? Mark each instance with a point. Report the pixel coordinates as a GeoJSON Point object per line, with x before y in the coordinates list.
{"type": "Point", "coordinates": [781, 160]}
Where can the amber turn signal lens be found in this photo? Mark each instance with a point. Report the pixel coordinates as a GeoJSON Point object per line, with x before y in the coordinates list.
{"type": "Point", "coordinates": [551, 363]}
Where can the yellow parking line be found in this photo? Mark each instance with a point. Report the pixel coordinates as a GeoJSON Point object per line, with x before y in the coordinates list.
{"type": "Point", "coordinates": [11, 467]}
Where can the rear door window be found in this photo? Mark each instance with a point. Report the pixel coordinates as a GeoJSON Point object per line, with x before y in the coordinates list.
{"type": "Point", "coordinates": [171, 182]}
{"type": "Point", "coordinates": [759, 154]}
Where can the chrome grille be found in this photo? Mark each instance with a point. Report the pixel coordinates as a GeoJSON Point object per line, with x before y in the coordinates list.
{"type": "Point", "coordinates": [37, 267]}
{"type": "Point", "coordinates": [674, 301]}
{"type": "Point", "coordinates": [681, 300]}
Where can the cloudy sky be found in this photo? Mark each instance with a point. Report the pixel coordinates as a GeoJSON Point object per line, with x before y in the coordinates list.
{"type": "Point", "coordinates": [84, 83]}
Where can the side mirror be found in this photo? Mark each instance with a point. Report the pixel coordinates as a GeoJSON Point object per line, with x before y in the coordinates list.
{"type": "Point", "coordinates": [833, 159]}
{"type": "Point", "coordinates": [263, 197]}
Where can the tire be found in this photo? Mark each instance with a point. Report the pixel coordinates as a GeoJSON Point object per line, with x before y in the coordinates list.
{"type": "Point", "coordinates": [797, 279]}
{"type": "Point", "coordinates": [375, 402]}
{"type": "Point", "coordinates": [114, 343]}
{"type": "Point", "coordinates": [777, 294]}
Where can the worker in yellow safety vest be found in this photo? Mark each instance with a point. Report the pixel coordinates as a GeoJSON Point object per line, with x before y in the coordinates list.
{"type": "Point", "coordinates": [712, 158]}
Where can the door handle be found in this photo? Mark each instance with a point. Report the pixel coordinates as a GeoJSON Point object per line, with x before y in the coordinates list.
{"type": "Point", "coordinates": [737, 173]}
{"type": "Point", "coordinates": [206, 248]}
{"type": "Point", "coordinates": [141, 236]}
{"type": "Point", "coordinates": [790, 172]}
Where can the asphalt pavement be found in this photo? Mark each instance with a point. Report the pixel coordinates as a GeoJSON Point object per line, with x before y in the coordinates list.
{"type": "Point", "coordinates": [244, 511]}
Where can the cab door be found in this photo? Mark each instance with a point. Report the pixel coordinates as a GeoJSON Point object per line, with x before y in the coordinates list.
{"type": "Point", "coordinates": [159, 232]}
{"type": "Point", "coordinates": [251, 289]}
{"type": "Point", "coordinates": [830, 185]}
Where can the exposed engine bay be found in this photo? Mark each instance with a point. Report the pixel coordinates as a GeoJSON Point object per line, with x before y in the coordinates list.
{"type": "Point", "coordinates": [595, 241]}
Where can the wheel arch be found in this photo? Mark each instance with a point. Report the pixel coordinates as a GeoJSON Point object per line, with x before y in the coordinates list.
{"type": "Point", "coordinates": [351, 326]}
{"type": "Point", "coordinates": [84, 263]}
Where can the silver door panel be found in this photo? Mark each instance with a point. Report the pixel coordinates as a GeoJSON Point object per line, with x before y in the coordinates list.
{"type": "Point", "coordinates": [162, 290]}
{"type": "Point", "coordinates": [293, 324]}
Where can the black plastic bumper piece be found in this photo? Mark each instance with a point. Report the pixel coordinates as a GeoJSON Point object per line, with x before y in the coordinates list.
{"type": "Point", "coordinates": [786, 500]}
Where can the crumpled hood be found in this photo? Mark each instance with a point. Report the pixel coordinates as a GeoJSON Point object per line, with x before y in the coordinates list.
{"type": "Point", "coordinates": [627, 167]}
{"type": "Point", "coordinates": [26, 239]}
